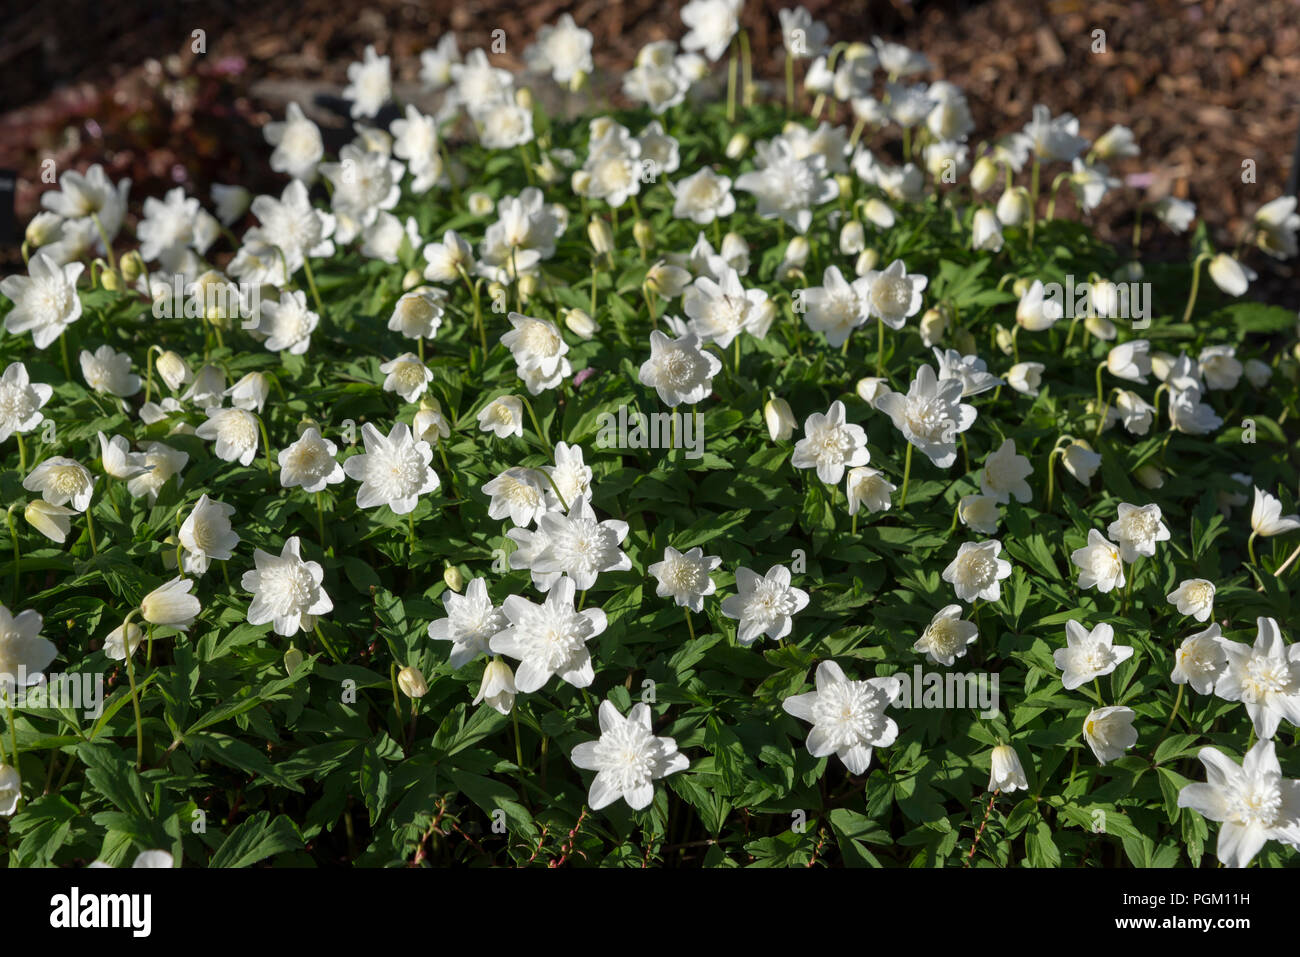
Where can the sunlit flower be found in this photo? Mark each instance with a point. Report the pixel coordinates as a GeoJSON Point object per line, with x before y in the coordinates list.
{"type": "Point", "coordinates": [685, 576]}
{"type": "Point", "coordinates": [1265, 678]}
{"type": "Point", "coordinates": [764, 604]}
{"type": "Point", "coordinates": [830, 445]}
{"type": "Point", "coordinates": [393, 470]}
{"type": "Point", "coordinates": [1088, 654]}
{"type": "Point", "coordinates": [1099, 563]}
{"type": "Point", "coordinates": [206, 535]}
{"type": "Point", "coordinates": [1110, 732]}
{"type": "Point", "coordinates": [471, 621]}
{"type": "Point", "coordinates": [627, 758]}
{"type": "Point", "coordinates": [288, 592]}
{"type": "Point", "coordinates": [848, 717]}
{"type": "Point", "coordinates": [977, 571]}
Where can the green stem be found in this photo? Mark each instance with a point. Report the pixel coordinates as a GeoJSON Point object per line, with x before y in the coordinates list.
{"type": "Point", "coordinates": [311, 284]}
{"type": "Point", "coordinates": [320, 635]}
{"type": "Point", "coordinates": [13, 534]}
{"type": "Point", "coordinates": [907, 475]}
{"type": "Point", "coordinates": [135, 695]}
{"type": "Point", "coordinates": [1170, 723]}
{"type": "Point", "coordinates": [1196, 285]}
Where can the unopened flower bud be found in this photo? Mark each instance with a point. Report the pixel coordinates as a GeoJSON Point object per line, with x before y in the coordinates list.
{"type": "Point", "coordinates": [853, 238]}
{"type": "Point", "coordinates": [737, 146]}
{"type": "Point", "coordinates": [578, 81]}
{"type": "Point", "coordinates": [983, 175]}
{"type": "Point", "coordinates": [412, 683]}
{"type": "Point", "coordinates": [173, 370]}
{"type": "Point", "coordinates": [1149, 476]}
{"type": "Point", "coordinates": [412, 279]}
{"type": "Point", "coordinates": [44, 228]}
{"type": "Point", "coordinates": [779, 418]}
{"type": "Point", "coordinates": [480, 204]}
{"type": "Point", "coordinates": [132, 266]}
{"type": "Point", "coordinates": [580, 324]}
{"type": "Point", "coordinates": [108, 278]}
{"type": "Point", "coordinates": [601, 236]}
{"type": "Point", "coordinates": [1013, 206]}
{"type": "Point", "coordinates": [797, 251]}
{"type": "Point", "coordinates": [644, 235]}
{"type": "Point", "coordinates": [454, 579]}
{"type": "Point", "coordinates": [293, 659]}
{"type": "Point", "coordinates": [524, 98]}
{"type": "Point", "coordinates": [871, 388]}
{"type": "Point", "coordinates": [867, 260]}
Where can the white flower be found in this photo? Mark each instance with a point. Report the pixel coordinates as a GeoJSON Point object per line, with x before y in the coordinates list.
{"type": "Point", "coordinates": [383, 239]}
{"type": "Point", "coordinates": [1258, 373]}
{"type": "Point", "coordinates": [570, 475]}
{"type": "Point", "coordinates": [1004, 474]}
{"type": "Point", "coordinates": [867, 486]}
{"type": "Point", "coordinates": [787, 186]}
{"type": "Point", "coordinates": [986, 232]}
{"type": "Point", "coordinates": [579, 546]}
{"type": "Point", "coordinates": [503, 416]}
{"type": "Point", "coordinates": [627, 758]}
{"type": "Point", "coordinates": [685, 577]}
{"type": "Point", "coordinates": [234, 431]}
{"type": "Point", "coordinates": [171, 605]}
{"type": "Point", "coordinates": [232, 201]}
{"type": "Point", "coordinates": [418, 313]}
{"type": "Point", "coordinates": [171, 228]}
{"type": "Point", "coordinates": [1012, 207]}
{"type": "Point", "coordinates": [930, 415]}
{"type": "Point", "coordinates": [1200, 660]}
{"type": "Point", "coordinates": [471, 621]}
{"type": "Point", "coordinates": [123, 640]}
{"type": "Point", "coordinates": [1036, 313]}
{"type": "Point", "coordinates": [802, 36]}
{"type": "Point", "coordinates": [21, 401]}
{"type": "Point", "coordinates": [1099, 564]}
{"type": "Point", "coordinates": [1252, 800]}
{"type": "Point", "coordinates": [764, 604]}
{"type": "Point", "coordinates": [1110, 732]}
{"type": "Point", "coordinates": [1195, 597]}
{"type": "Point", "coordinates": [971, 371]}
{"type": "Point", "coordinates": [1053, 139]}
{"type": "Point", "coordinates": [897, 60]}
{"type": "Point", "coordinates": [415, 139]}
{"type": "Point", "coordinates": [407, 376]}
{"type": "Point", "coordinates": [62, 480]}
{"type": "Point", "coordinates": [1088, 654]}
{"type": "Point", "coordinates": [678, 369]}
{"type": "Point", "coordinates": [1006, 773]}
{"type": "Point", "coordinates": [848, 717]}
{"type": "Point", "coordinates": [659, 87]}
{"type": "Point", "coordinates": [979, 512]}
{"type": "Point", "coordinates": [45, 301]}
{"type": "Point", "coordinates": [1266, 516]}
{"type": "Point", "coordinates": [288, 323]}
{"type": "Point", "coordinates": [1090, 182]}
{"type": "Point", "coordinates": [294, 226]}
{"type": "Point", "coordinates": [503, 125]}
{"type": "Point", "coordinates": [370, 84]}
{"type": "Point", "coordinates": [1134, 411]}
{"type": "Point", "coordinates": [703, 197]}
{"type": "Point", "coordinates": [837, 307]}
{"type": "Point", "coordinates": [721, 310]}
{"type": "Point", "coordinates": [1026, 377]}
{"type": "Point", "coordinates": [1175, 213]}
{"type": "Point", "coordinates": [539, 351]}
{"type": "Point", "coordinates": [108, 371]}
{"type": "Point", "coordinates": [977, 571]}
{"type": "Point", "coordinates": [518, 493]}
{"type": "Point", "coordinates": [52, 521]}
{"type": "Point", "coordinates": [497, 687]}
{"type": "Point", "coordinates": [1277, 222]}
{"type": "Point", "coordinates": [549, 639]}
{"type": "Point", "coordinates": [287, 591]}
{"type": "Point", "coordinates": [1189, 415]}
{"type": "Point", "coordinates": [1265, 678]}
{"type": "Point", "coordinates": [11, 790]}
{"type": "Point", "coordinates": [892, 295]}
{"type": "Point", "coordinates": [563, 50]}
{"type": "Point", "coordinates": [393, 470]}
{"type": "Point", "coordinates": [80, 198]}
{"type": "Point", "coordinates": [1232, 277]}
{"type": "Point", "coordinates": [711, 24]}
{"type": "Point", "coordinates": [779, 419]}
{"type": "Point", "coordinates": [157, 463]}
{"type": "Point", "coordinates": [830, 445]}
{"type": "Point", "coordinates": [447, 259]}
{"type": "Point", "coordinates": [206, 534]}
{"type": "Point", "coordinates": [436, 63]}
{"type": "Point", "coordinates": [22, 647]}
{"type": "Point", "coordinates": [310, 463]}
{"type": "Point", "coordinates": [1220, 367]}
{"type": "Point", "coordinates": [946, 637]}
{"type": "Point", "coordinates": [298, 145]}
{"type": "Point", "coordinates": [1137, 530]}
{"type": "Point", "coordinates": [365, 183]}
{"type": "Point", "coordinates": [1130, 360]}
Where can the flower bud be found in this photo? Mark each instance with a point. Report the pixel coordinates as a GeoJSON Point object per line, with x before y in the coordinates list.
{"type": "Point", "coordinates": [867, 260]}
{"type": "Point", "coordinates": [580, 182]}
{"type": "Point", "coordinates": [797, 251]}
{"type": "Point", "coordinates": [412, 683]}
{"type": "Point", "coordinates": [779, 418]}
{"type": "Point", "coordinates": [932, 327]}
{"type": "Point", "coordinates": [1021, 286]}
{"type": "Point", "coordinates": [498, 687]}
{"type": "Point", "coordinates": [601, 236]}
{"type": "Point", "coordinates": [983, 174]}
{"type": "Point", "coordinates": [1149, 476]}
{"type": "Point", "coordinates": [737, 146]}
{"type": "Point", "coordinates": [1013, 206]}
{"type": "Point", "coordinates": [52, 521]}
{"type": "Point", "coordinates": [171, 605]}
{"type": "Point", "coordinates": [132, 266]}
{"type": "Point", "coordinates": [527, 284]}
{"type": "Point", "coordinates": [173, 370]}
{"type": "Point", "coordinates": [109, 279]}
{"type": "Point", "coordinates": [524, 98]}
{"type": "Point", "coordinates": [853, 238]}
{"type": "Point", "coordinates": [412, 279]}
{"type": "Point", "coordinates": [578, 81]}
{"type": "Point", "coordinates": [964, 342]}
{"type": "Point", "coordinates": [480, 204]}
{"type": "Point", "coordinates": [644, 235]}
{"type": "Point", "coordinates": [454, 579]}
{"type": "Point", "coordinates": [293, 658]}
{"type": "Point", "coordinates": [44, 228]}
{"type": "Point", "coordinates": [580, 324]}
{"type": "Point", "coordinates": [872, 388]}
{"type": "Point", "coordinates": [1002, 335]}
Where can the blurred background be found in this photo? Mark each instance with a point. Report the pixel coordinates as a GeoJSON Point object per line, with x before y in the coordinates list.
{"type": "Point", "coordinates": [1203, 85]}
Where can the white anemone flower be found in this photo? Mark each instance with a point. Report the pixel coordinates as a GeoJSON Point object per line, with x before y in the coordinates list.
{"type": "Point", "coordinates": [1200, 660]}
{"type": "Point", "coordinates": [503, 416]}
{"type": "Point", "coordinates": [685, 576]}
{"type": "Point", "coordinates": [579, 546]}
{"type": "Point", "coordinates": [1099, 563]}
{"type": "Point", "coordinates": [1266, 516]}
{"type": "Point", "coordinates": [1004, 473]}
{"type": "Point", "coordinates": [678, 369]}
{"type": "Point", "coordinates": [627, 758]}
{"type": "Point", "coordinates": [1195, 597]}
{"type": "Point", "coordinates": [549, 639]}
{"type": "Point", "coordinates": [1006, 773]}
{"type": "Point", "coordinates": [848, 717]}
{"type": "Point", "coordinates": [893, 295]}
{"type": "Point", "coordinates": [930, 415]}
{"type": "Point", "coordinates": [1252, 801]}
{"type": "Point", "coordinates": [393, 470]}
{"type": "Point", "coordinates": [1264, 677]}
{"type": "Point", "coordinates": [206, 535]}
{"type": "Point", "coordinates": [287, 323]}
{"type": "Point", "coordinates": [61, 481]}
{"type": "Point", "coordinates": [407, 376]}
{"type": "Point", "coordinates": [977, 571]}
{"type": "Point", "coordinates": [370, 84]}
{"type": "Point", "coordinates": [45, 301]}
{"type": "Point", "coordinates": [830, 445]}
{"type": "Point", "coordinates": [519, 494]}
{"type": "Point", "coordinates": [309, 463]}
{"type": "Point", "coordinates": [235, 432]}
{"type": "Point", "coordinates": [1109, 732]}
{"type": "Point", "coordinates": [298, 144]}
{"type": "Point", "coordinates": [764, 604]}
{"type": "Point", "coordinates": [171, 605]}
{"type": "Point", "coordinates": [21, 401]}
{"type": "Point", "coordinates": [867, 486]}
{"type": "Point", "coordinates": [837, 306]}
{"type": "Point", "coordinates": [287, 592]}
{"type": "Point", "coordinates": [1137, 530]}
{"type": "Point", "coordinates": [471, 621]}
{"type": "Point", "coordinates": [23, 652]}
{"type": "Point", "coordinates": [946, 637]}
{"type": "Point", "coordinates": [1088, 654]}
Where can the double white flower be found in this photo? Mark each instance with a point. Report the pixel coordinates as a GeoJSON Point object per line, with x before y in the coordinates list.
{"type": "Point", "coordinates": [627, 758]}
{"type": "Point", "coordinates": [848, 717]}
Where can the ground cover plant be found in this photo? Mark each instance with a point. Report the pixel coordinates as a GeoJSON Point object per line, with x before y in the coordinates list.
{"type": "Point", "coordinates": [784, 478]}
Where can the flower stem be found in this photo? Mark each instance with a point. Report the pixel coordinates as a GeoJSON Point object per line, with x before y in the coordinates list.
{"type": "Point", "coordinates": [320, 635]}
{"type": "Point", "coordinates": [1170, 723]}
{"type": "Point", "coordinates": [13, 534]}
{"type": "Point", "coordinates": [1196, 285]}
{"type": "Point", "coordinates": [1250, 547]}
{"type": "Point", "coordinates": [135, 695]}
{"type": "Point", "coordinates": [311, 284]}
{"type": "Point", "coordinates": [537, 427]}
{"type": "Point", "coordinates": [907, 475]}
{"type": "Point", "coordinates": [690, 625]}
